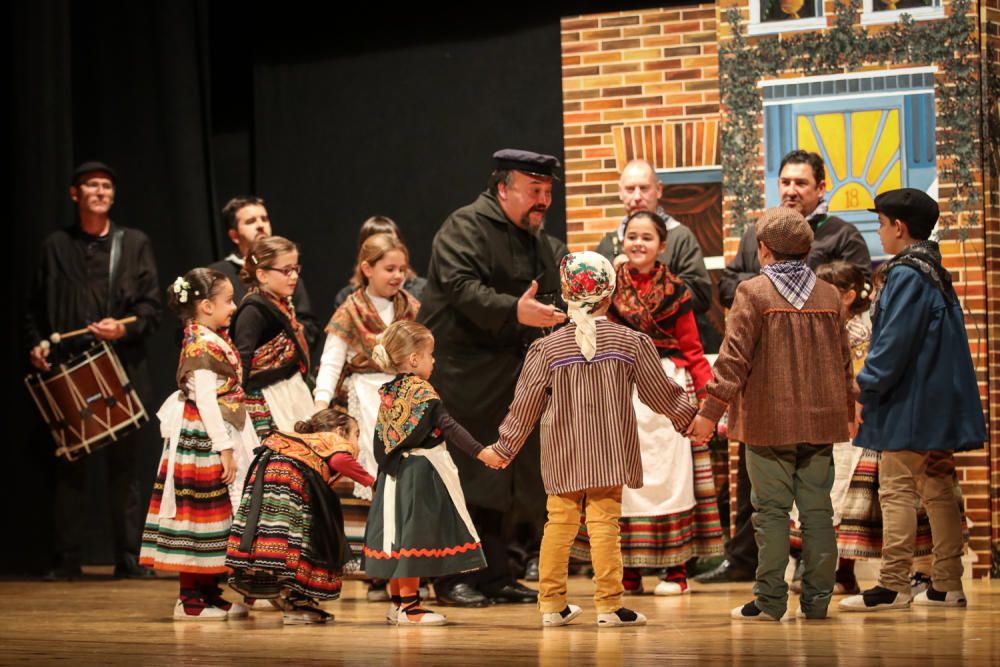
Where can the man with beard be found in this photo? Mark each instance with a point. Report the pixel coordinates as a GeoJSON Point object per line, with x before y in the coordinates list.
{"type": "Point", "coordinates": [247, 220]}
{"type": "Point", "coordinates": [492, 289]}
{"type": "Point", "coordinates": [802, 186]}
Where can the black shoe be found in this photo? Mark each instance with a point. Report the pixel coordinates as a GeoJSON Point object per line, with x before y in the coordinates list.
{"type": "Point", "coordinates": [531, 569]}
{"type": "Point", "coordinates": [723, 574]}
{"type": "Point", "coordinates": [63, 573]}
{"type": "Point", "coordinates": [460, 595]}
{"type": "Point", "coordinates": [133, 571]}
{"type": "Point", "coordinates": [513, 592]}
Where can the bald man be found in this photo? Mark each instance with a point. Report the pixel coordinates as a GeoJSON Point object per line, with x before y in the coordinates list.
{"type": "Point", "coordinates": [640, 190]}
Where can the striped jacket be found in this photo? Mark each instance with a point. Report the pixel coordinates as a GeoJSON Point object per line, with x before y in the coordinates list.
{"type": "Point", "coordinates": [589, 437]}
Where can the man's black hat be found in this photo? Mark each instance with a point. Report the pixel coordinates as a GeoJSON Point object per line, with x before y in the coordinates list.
{"type": "Point", "coordinates": [538, 164]}
{"type": "Point", "coordinates": [914, 207]}
{"type": "Point", "coordinates": [92, 166]}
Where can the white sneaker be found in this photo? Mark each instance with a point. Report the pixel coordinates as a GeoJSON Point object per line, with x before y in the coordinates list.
{"type": "Point", "coordinates": [670, 588]}
{"type": "Point", "coordinates": [207, 613]}
{"type": "Point", "coordinates": [261, 604]}
{"type": "Point", "coordinates": [392, 616]}
{"type": "Point", "coordinates": [876, 599]}
{"type": "Point", "coordinates": [554, 618]}
{"type": "Point", "coordinates": [426, 618]}
{"type": "Point", "coordinates": [935, 598]}
{"type": "Point", "coordinates": [621, 618]}
{"type": "Point", "coordinates": [238, 611]}
{"type": "Point", "coordinates": [751, 612]}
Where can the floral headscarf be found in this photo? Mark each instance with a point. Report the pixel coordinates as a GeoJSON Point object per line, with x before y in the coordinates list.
{"type": "Point", "coordinates": [587, 279]}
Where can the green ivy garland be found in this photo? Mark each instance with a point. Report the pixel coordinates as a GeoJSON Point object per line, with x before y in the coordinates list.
{"type": "Point", "coordinates": [948, 43]}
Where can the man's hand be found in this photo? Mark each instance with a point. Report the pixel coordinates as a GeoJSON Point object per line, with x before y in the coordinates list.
{"type": "Point", "coordinates": [491, 459]}
{"type": "Point", "coordinates": [857, 414]}
{"type": "Point", "coordinates": [38, 357]}
{"type": "Point", "coordinates": [228, 466]}
{"type": "Point", "coordinates": [852, 429]}
{"type": "Point", "coordinates": [533, 313]}
{"type": "Point", "coordinates": [107, 329]}
{"type": "Point", "coordinates": [701, 429]}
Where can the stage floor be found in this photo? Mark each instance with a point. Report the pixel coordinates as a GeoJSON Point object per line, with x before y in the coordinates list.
{"type": "Point", "coordinates": [104, 621]}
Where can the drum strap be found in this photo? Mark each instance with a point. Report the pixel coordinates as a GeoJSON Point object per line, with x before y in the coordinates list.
{"type": "Point", "coordinates": [116, 256]}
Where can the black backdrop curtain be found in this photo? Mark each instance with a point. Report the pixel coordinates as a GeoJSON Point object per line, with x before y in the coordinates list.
{"type": "Point", "coordinates": [125, 83]}
{"type": "Point", "coordinates": [194, 102]}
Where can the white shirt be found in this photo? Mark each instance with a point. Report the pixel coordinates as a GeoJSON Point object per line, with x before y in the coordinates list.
{"type": "Point", "coordinates": [331, 362]}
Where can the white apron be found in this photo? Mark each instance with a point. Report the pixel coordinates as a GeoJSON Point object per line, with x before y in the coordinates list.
{"type": "Point", "coordinates": [667, 464]}
{"type": "Point", "coordinates": [363, 403]}
{"type": "Point", "coordinates": [289, 401]}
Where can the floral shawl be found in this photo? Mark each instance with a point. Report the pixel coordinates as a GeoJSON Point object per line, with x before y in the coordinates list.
{"type": "Point", "coordinates": [204, 348]}
{"type": "Point", "coordinates": [405, 402]}
{"type": "Point", "coordinates": [650, 303]}
{"type": "Point", "coordinates": [282, 349]}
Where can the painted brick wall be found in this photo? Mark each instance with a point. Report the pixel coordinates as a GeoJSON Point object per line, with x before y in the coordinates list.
{"type": "Point", "coordinates": [990, 29]}
{"type": "Point", "coordinates": [624, 69]}
{"type": "Point", "coordinates": [636, 71]}
{"type": "Point", "coordinates": [967, 262]}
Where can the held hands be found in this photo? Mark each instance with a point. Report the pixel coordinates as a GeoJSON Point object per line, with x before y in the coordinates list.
{"type": "Point", "coordinates": [491, 459]}
{"type": "Point", "coordinates": [228, 466]}
{"type": "Point", "coordinates": [533, 313]}
{"type": "Point", "coordinates": [107, 329]}
{"type": "Point", "coordinates": [700, 430]}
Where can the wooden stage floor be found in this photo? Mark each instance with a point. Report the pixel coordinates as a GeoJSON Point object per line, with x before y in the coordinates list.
{"type": "Point", "coordinates": [103, 621]}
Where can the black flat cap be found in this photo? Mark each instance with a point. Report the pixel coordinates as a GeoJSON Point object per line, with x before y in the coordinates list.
{"type": "Point", "coordinates": [914, 207]}
{"type": "Point", "coordinates": [92, 166]}
{"type": "Point", "coordinates": [538, 164]}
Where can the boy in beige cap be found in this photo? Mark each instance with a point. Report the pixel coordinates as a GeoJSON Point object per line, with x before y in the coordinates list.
{"type": "Point", "coordinates": [784, 372]}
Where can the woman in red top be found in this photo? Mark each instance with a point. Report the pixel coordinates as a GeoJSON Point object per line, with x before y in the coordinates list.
{"type": "Point", "coordinates": [674, 516]}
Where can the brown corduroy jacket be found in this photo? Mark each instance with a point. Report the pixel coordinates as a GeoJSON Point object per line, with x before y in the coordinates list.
{"type": "Point", "coordinates": [784, 374]}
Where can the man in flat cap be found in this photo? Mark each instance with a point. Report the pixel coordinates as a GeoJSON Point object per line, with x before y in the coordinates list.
{"type": "Point", "coordinates": [92, 274]}
{"type": "Point", "coordinates": [919, 404]}
{"type": "Point", "coordinates": [802, 187]}
{"type": "Point", "coordinates": [492, 289]}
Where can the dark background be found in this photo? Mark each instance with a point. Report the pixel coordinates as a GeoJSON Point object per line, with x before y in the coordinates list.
{"type": "Point", "coordinates": [330, 118]}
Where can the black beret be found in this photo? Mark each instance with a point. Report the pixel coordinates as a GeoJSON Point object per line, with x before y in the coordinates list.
{"type": "Point", "coordinates": [914, 207]}
{"type": "Point", "coordinates": [538, 164]}
{"type": "Point", "coordinates": [88, 167]}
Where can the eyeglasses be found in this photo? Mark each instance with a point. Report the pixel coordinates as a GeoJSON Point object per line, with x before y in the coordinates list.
{"type": "Point", "coordinates": [287, 271]}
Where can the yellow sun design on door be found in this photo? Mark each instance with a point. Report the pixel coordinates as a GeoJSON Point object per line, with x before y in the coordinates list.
{"type": "Point", "coordinates": [862, 151]}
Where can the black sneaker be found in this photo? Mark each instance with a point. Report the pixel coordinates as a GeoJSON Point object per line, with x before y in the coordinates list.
{"type": "Point", "coordinates": [876, 599]}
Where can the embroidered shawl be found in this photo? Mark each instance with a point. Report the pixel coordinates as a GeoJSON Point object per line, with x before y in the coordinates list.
{"type": "Point", "coordinates": [405, 402]}
{"type": "Point", "coordinates": [204, 348]}
{"type": "Point", "coordinates": [282, 349]}
{"type": "Point", "coordinates": [312, 450]}
{"type": "Point", "coordinates": [650, 303]}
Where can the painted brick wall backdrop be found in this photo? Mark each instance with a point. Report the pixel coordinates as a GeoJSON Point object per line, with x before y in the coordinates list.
{"type": "Point", "coordinates": [645, 84]}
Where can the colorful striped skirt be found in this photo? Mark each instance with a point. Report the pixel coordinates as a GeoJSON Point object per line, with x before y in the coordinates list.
{"type": "Point", "coordinates": [671, 539]}
{"type": "Point", "coordinates": [287, 533]}
{"type": "Point", "coordinates": [859, 535]}
{"type": "Point", "coordinates": [260, 413]}
{"type": "Point", "coordinates": [194, 539]}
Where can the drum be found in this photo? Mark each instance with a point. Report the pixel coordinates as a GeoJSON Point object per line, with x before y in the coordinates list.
{"type": "Point", "coordinates": [87, 402]}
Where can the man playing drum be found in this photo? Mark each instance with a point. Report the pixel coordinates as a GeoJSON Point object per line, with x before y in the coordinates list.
{"type": "Point", "coordinates": [94, 273]}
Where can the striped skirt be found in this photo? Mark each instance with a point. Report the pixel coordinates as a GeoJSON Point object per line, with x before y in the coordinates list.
{"type": "Point", "coordinates": [260, 413]}
{"type": "Point", "coordinates": [671, 539]}
{"type": "Point", "coordinates": [859, 535]}
{"type": "Point", "coordinates": [296, 540]}
{"type": "Point", "coordinates": [194, 539]}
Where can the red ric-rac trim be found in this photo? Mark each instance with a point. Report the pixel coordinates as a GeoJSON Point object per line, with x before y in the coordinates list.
{"type": "Point", "coordinates": [422, 553]}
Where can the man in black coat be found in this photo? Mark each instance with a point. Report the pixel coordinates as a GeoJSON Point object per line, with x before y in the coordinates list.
{"type": "Point", "coordinates": [247, 220]}
{"type": "Point", "coordinates": [802, 186]}
{"type": "Point", "coordinates": [92, 274]}
{"type": "Point", "coordinates": [492, 289]}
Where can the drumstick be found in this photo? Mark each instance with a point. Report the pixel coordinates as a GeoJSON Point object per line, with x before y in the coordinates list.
{"type": "Point", "coordinates": [59, 337]}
